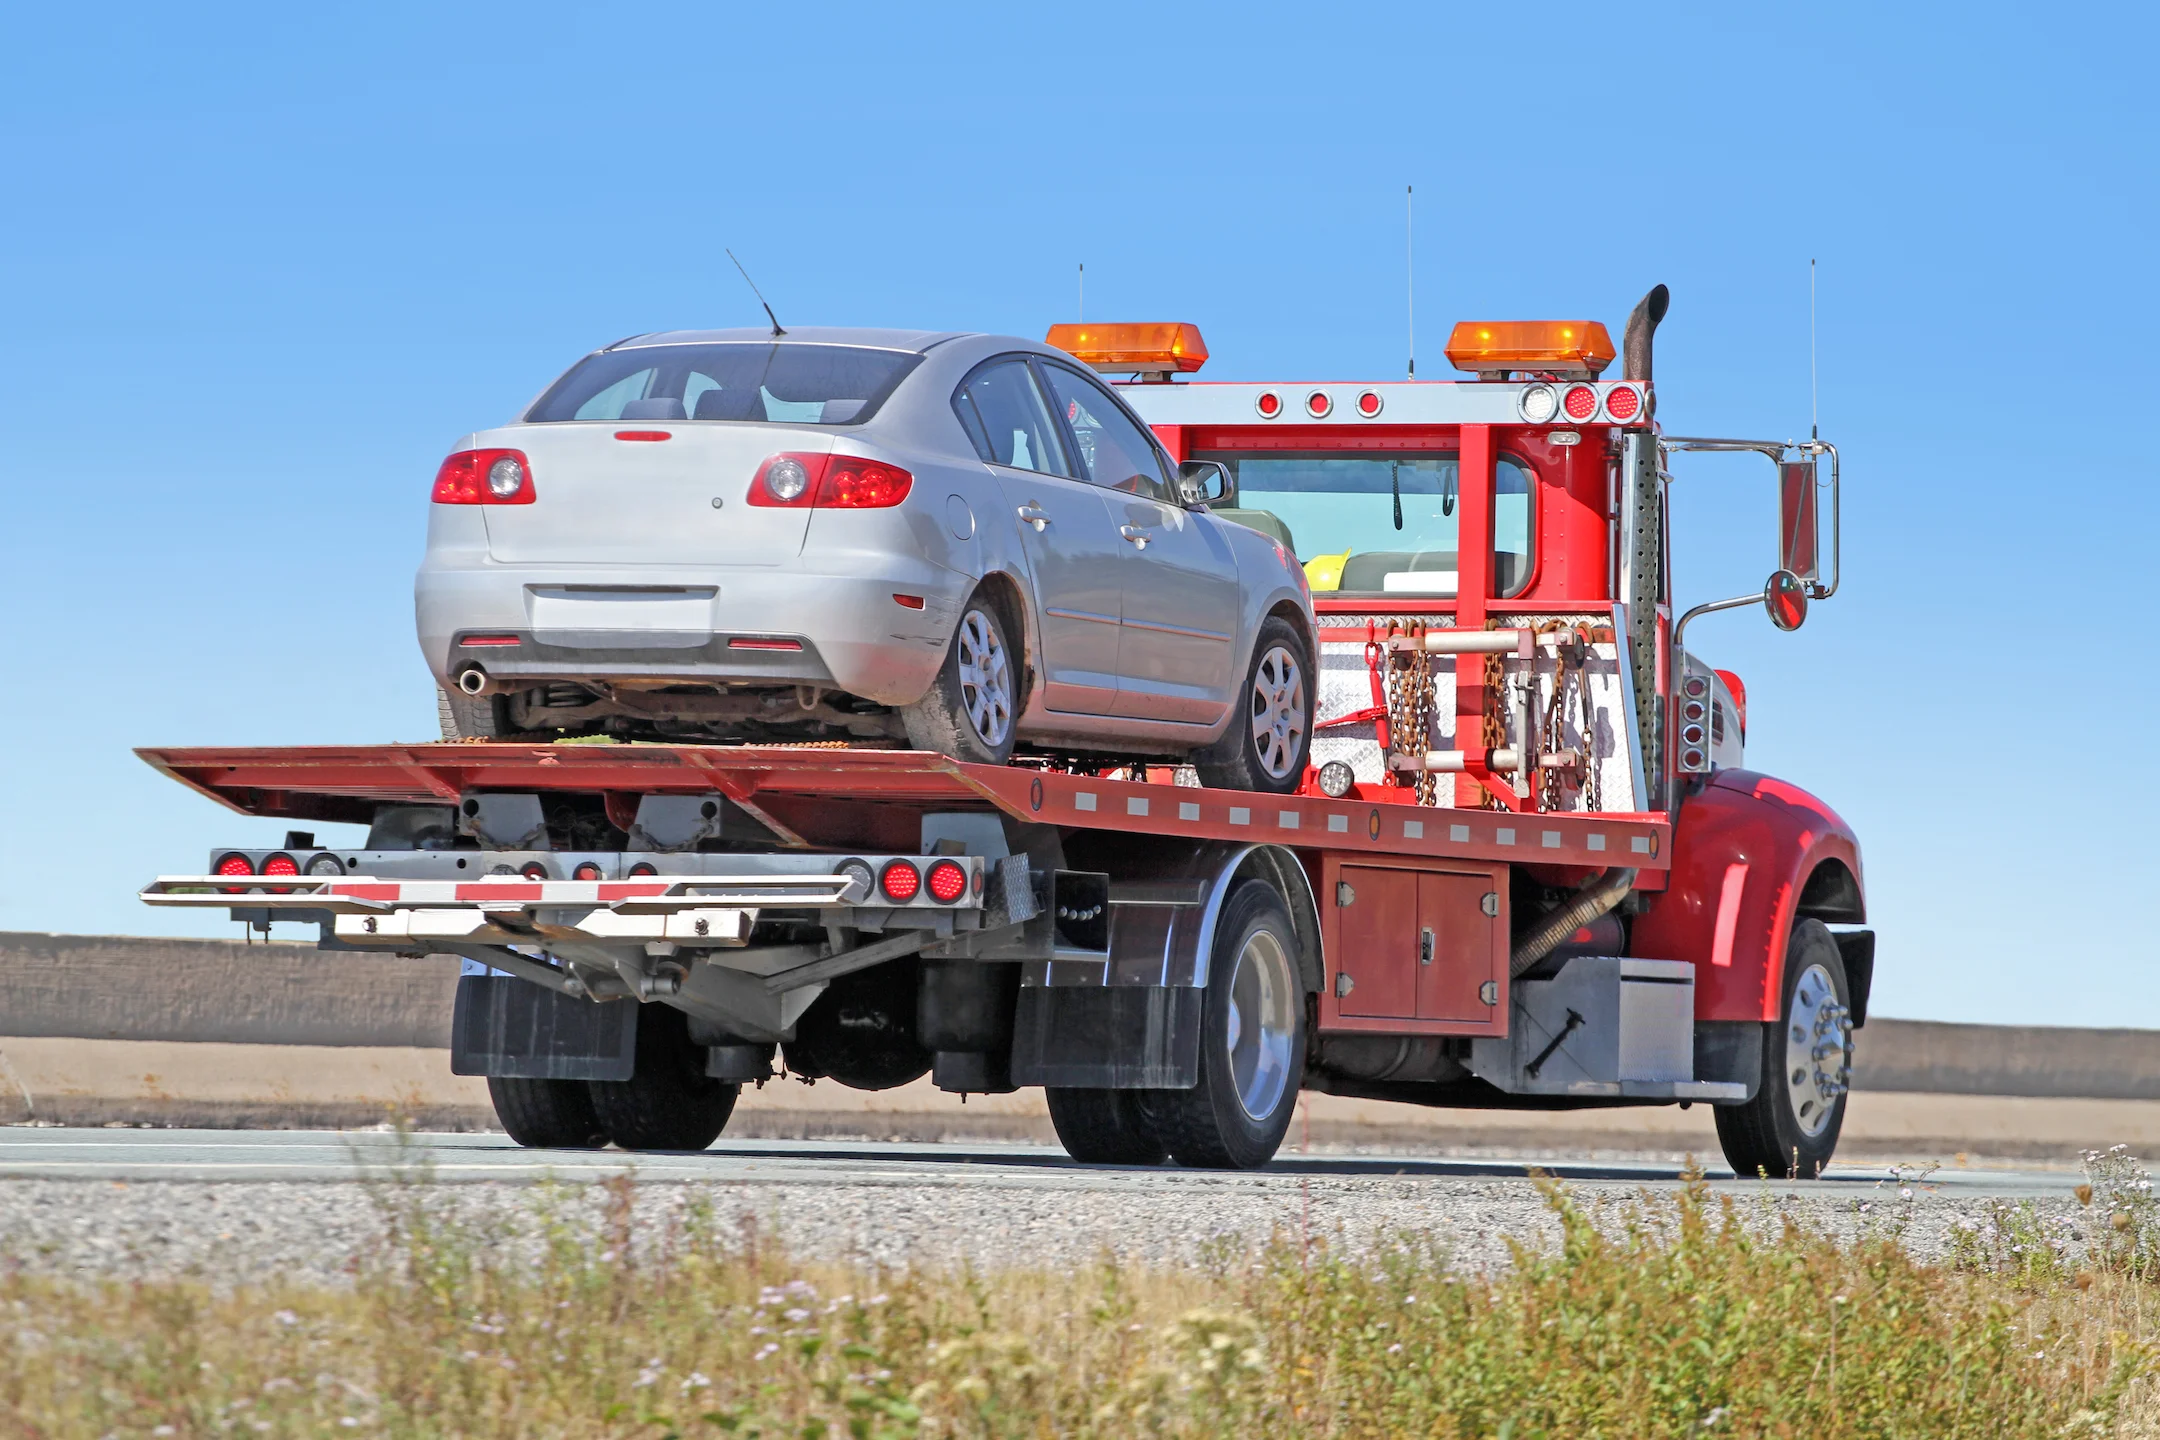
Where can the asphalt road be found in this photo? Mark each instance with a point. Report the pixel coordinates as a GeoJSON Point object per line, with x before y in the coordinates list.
{"type": "Point", "coordinates": [319, 1157]}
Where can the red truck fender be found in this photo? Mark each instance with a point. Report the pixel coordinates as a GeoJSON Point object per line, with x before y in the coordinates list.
{"type": "Point", "coordinates": [1751, 854]}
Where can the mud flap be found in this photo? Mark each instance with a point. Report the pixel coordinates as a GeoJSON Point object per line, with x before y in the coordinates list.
{"type": "Point", "coordinates": [1116, 1037]}
{"type": "Point", "coordinates": [511, 1028]}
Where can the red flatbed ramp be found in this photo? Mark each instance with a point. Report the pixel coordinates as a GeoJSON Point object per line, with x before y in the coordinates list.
{"type": "Point", "coordinates": [843, 799]}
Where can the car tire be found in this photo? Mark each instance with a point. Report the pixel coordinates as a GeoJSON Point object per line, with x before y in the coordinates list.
{"type": "Point", "coordinates": [1252, 1042]}
{"type": "Point", "coordinates": [1270, 734]}
{"type": "Point", "coordinates": [1104, 1127]}
{"type": "Point", "coordinates": [473, 717]}
{"type": "Point", "coordinates": [546, 1114]}
{"type": "Point", "coordinates": [971, 711]}
{"type": "Point", "coordinates": [669, 1103]}
{"type": "Point", "coordinates": [1791, 1127]}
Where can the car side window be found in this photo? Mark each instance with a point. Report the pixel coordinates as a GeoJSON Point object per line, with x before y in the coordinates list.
{"type": "Point", "coordinates": [1115, 452]}
{"type": "Point", "coordinates": [1003, 412]}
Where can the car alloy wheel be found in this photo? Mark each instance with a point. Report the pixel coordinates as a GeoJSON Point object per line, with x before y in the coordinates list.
{"type": "Point", "coordinates": [1263, 1024]}
{"type": "Point", "coordinates": [1278, 712]}
{"type": "Point", "coordinates": [985, 679]}
{"type": "Point", "coordinates": [1817, 1058]}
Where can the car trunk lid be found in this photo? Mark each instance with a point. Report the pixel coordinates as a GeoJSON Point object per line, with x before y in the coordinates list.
{"type": "Point", "coordinates": [612, 493]}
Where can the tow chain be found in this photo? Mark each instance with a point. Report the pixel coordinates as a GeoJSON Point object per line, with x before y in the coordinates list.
{"type": "Point", "coordinates": [1492, 700]}
{"type": "Point", "coordinates": [1409, 705]}
{"type": "Point", "coordinates": [1571, 661]}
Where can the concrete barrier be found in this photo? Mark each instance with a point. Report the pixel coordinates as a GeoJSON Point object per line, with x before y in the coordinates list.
{"type": "Point", "coordinates": [98, 987]}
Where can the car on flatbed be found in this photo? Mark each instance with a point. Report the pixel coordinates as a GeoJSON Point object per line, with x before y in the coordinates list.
{"type": "Point", "coordinates": [963, 543]}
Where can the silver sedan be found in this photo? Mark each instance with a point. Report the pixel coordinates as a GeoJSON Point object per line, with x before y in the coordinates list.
{"type": "Point", "coordinates": [964, 542]}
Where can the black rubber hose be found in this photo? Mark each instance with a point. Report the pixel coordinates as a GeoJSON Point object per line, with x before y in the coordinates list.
{"type": "Point", "coordinates": [1592, 902]}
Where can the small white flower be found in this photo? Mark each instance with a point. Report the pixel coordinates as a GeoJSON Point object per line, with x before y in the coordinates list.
{"type": "Point", "coordinates": [795, 1316]}
{"type": "Point", "coordinates": [285, 1317]}
{"type": "Point", "coordinates": [770, 1349]}
{"type": "Point", "coordinates": [696, 1380]}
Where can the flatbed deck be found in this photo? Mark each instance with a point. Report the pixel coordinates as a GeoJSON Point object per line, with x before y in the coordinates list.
{"type": "Point", "coordinates": [819, 798]}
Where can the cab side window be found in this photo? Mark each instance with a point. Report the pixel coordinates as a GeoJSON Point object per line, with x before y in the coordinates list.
{"type": "Point", "coordinates": [1003, 412]}
{"type": "Point", "coordinates": [1114, 452]}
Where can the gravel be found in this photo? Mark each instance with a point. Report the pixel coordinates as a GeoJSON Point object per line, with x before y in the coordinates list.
{"type": "Point", "coordinates": [237, 1231]}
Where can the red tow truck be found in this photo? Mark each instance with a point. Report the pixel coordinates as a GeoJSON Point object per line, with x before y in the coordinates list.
{"type": "Point", "coordinates": [1527, 868]}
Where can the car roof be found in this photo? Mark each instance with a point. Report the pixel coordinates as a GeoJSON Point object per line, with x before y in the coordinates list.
{"type": "Point", "coordinates": [915, 341]}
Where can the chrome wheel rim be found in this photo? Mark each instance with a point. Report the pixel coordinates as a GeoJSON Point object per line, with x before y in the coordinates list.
{"type": "Point", "coordinates": [1818, 1051]}
{"type": "Point", "coordinates": [1262, 1032]}
{"type": "Point", "coordinates": [1277, 711]}
{"type": "Point", "coordinates": [985, 678]}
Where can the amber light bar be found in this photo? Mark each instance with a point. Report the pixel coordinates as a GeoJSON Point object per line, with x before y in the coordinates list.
{"type": "Point", "coordinates": [1138, 346]}
{"type": "Point", "coordinates": [1568, 349]}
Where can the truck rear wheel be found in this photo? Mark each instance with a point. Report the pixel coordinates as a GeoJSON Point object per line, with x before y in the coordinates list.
{"type": "Point", "coordinates": [1104, 1127]}
{"type": "Point", "coordinates": [1252, 1042]}
{"type": "Point", "coordinates": [669, 1103]}
{"type": "Point", "coordinates": [546, 1114]}
{"type": "Point", "coordinates": [1791, 1126]}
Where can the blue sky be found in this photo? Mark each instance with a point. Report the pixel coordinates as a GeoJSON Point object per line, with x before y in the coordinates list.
{"type": "Point", "coordinates": [260, 268]}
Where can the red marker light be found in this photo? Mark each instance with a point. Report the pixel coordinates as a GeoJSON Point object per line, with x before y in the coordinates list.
{"type": "Point", "coordinates": [1580, 403]}
{"type": "Point", "coordinates": [1368, 404]}
{"type": "Point", "coordinates": [1318, 405]}
{"type": "Point", "coordinates": [534, 870]}
{"type": "Point", "coordinates": [281, 865]}
{"type": "Point", "coordinates": [587, 870]}
{"type": "Point", "coordinates": [910, 602]}
{"type": "Point", "coordinates": [1623, 403]}
{"type": "Point", "coordinates": [642, 870]}
{"type": "Point", "coordinates": [948, 882]}
{"type": "Point", "coordinates": [1269, 405]}
{"type": "Point", "coordinates": [481, 641]}
{"type": "Point", "coordinates": [899, 881]}
{"type": "Point", "coordinates": [745, 642]}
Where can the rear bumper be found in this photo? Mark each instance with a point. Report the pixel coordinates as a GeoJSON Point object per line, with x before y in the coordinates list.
{"type": "Point", "coordinates": [852, 634]}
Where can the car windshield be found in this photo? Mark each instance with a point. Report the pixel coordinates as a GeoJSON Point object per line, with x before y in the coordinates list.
{"type": "Point", "coordinates": [739, 380]}
{"type": "Point", "coordinates": [1377, 524]}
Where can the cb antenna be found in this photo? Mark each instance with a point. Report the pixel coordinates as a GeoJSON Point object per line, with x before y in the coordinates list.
{"type": "Point", "coordinates": [776, 330]}
{"type": "Point", "coordinates": [1080, 312]}
{"type": "Point", "coordinates": [1410, 276]}
{"type": "Point", "coordinates": [1814, 417]}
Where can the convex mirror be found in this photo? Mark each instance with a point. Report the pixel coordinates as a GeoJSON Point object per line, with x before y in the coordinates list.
{"type": "Point", "coordinates": [1785, 597]}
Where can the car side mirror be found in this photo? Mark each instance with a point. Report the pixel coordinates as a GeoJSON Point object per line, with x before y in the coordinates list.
{"type": "Point", "coordinates": [1785, 597]}
{"type": "Point", "coordinates": [1202, 481]}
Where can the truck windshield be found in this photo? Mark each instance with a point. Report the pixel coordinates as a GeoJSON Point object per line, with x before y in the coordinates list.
{"type": "Point", "coordinates": [800, 384]}
{"type": "Point", "coordinates": [1378, 524]}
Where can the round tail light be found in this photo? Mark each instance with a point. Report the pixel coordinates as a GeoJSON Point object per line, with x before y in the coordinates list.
{"type": "Point", "coordinates": [1693, 760]}
{"type": "Point", "coordinates": [1623, 403]}
{"type": "Point", "coordinates": [1318, 405]}
{"type": "Point", "coordinates": [326, 865]}
{"type": "Point", "coordinates": [534, 870]}
{"type": "Point", "coordinates": [1269, 404]}
{"type": "Point", "coordinates": [586, 870]}
{"type": "Point", "coordinates": [948, 882]}
{"type": "Point", "coordinates": [643, 869]}
{"type": "Point", "coordinates": [234, 864]}
{"type": "Point", "coordinates": [1580, 403]}
{"type": "Point", "coordinates": [899, 881]}
{"type": "Point", "coordinates": [281, 865]}
{"type": "Point", "coordinates": [1368, 404]}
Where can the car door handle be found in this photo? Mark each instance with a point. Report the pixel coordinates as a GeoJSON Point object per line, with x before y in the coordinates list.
{"type": "Point", "coordinates": [1034, 515]}
{"type": "Point", "coordinates": [1138, 534]}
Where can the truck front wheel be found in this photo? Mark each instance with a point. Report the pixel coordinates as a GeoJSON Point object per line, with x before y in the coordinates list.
{"type": "Point", "coordinates": [1791, 1126]}
{"type": "Point", "coordinates": [1252, 1042]}
{"type": "Point", "coordinates": [669, 1103]}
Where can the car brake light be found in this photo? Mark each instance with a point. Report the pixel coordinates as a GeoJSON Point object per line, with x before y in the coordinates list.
{"type": "Point", "coordinates": [829, 482]}
{"type": "Point", "coordinates": [1580, 403]}
{"type": "Point", "coordinates": [644, 434]}
{"type": "Point", "coordinates": [484, 477]}
{"type": "Point", "coordinates": [899, 881]}
{"type": "Point", "coordinates": [948, 882]}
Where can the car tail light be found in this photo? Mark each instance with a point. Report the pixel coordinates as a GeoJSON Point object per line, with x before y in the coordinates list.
{"type": "Point", "coordinates": [1368, 404]}
{"type": "Point", "coordinates": [1580, 403]}
{"type": "Point", "coordinates": [899, 881]}
{"type": "Point", "coordinates": [1318, 405]}
{"type": "Point", "coordinates": [1269, 404]}
{"type": "Point", "coordinates": [948, 882]}
{"type": "Point", "coordinates": [829, 482]}
{"type": "Point", "coordinates": [485, 477]}
{"type": "Point", "coordinates": [586, 870]}
{"type": "Point", "coordinates": [1623, 403]}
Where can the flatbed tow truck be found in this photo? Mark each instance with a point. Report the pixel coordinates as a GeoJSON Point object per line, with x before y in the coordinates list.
{"type": "Point", "coordinates": [1525, 870]}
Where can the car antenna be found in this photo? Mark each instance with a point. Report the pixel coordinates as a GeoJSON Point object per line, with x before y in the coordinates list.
{"type": "Point", "coordinates": [776, 330]}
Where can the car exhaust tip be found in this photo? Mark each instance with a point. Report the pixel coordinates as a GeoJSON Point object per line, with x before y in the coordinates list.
{"type": "Point", "coordinates": [473, 680]}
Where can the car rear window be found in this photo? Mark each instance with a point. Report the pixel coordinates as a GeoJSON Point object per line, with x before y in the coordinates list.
{"type": "Point", "coordinates": [776, 382]}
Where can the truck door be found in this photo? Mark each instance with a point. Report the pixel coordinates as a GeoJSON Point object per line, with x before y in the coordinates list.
{"type": "Point", "coordinates": [1176, 648]}
{"type": "Point", "coordinates": [1071, 542]}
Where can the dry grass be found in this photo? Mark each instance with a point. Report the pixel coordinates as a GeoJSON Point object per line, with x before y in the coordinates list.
{"type": "Point", "coordinates": [1677, 1316]}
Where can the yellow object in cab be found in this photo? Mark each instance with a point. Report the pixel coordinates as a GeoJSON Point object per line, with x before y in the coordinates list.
{"type": "Point", "coordinates": [1324, 572]}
